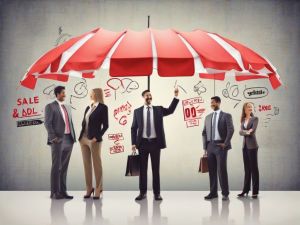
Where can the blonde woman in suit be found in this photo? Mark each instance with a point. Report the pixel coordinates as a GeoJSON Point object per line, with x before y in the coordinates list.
{"type": "Point", "coordinates": [249, 124]}
{"type": "Point", "coordinates": [94, 125]}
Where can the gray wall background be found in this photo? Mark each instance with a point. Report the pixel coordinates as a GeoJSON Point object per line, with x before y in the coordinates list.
{"type": "Point", "coordinates": [30, 28]}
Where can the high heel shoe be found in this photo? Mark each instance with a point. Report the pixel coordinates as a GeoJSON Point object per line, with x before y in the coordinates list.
{"type": "Point", "coordinates": [97, 197]}
{"type": "Point", "coordinates": [243, 194]}
{"type": "Point", "coordinates": [89, 195]}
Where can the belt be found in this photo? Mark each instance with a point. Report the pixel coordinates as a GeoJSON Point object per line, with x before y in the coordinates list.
{"type": "Point", "coordinates": [217, 141]}
{"type": "Point", "coordinates": [149, 139]}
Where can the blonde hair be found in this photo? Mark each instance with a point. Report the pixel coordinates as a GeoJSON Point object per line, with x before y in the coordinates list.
{"type": "Point", "coordinates": [243, 116]}
{"type": "Point", "coordinates": [98, 95]}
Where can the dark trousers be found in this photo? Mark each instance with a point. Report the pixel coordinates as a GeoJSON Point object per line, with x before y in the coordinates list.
{"type": "Point", "coordinates": [149, 148]}
{"type": "Point", "coordinates": [251, 170]}
{"type": "Point", "coordinates": [217, 167]}
{"type": "Point", "coordinates": [61, 153]}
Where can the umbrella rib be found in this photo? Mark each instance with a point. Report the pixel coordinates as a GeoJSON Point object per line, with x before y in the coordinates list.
{"type": "Point", "coordinates": [230, 49]}
{"type": "Point", "coordinates": [199, 68]}
{"type": "Point", "coordinates": [69, 52]}
{"type": "Point", "coordinates": [154, 52]}
{"type": "Point", "coordinates": [106, 62]}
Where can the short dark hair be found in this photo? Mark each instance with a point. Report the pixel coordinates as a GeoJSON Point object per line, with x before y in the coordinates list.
{"type": "Point", "coordinates": [144, 92]}
{"type": "Point", "coordinates": [216, 98]}
{"type": "Point", "coordinates": [58, 90]}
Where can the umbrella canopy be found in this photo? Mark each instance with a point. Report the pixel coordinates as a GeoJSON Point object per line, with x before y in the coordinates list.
{"type": "Point", "coordinates": [132, 53]}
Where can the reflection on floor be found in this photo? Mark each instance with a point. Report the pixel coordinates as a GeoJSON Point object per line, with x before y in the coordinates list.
{"type": "Point", "coordinates": [184, 208]}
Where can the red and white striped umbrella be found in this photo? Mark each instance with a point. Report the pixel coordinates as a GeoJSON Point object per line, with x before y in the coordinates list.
{"type": "Point", "coordinates": [170, 52]}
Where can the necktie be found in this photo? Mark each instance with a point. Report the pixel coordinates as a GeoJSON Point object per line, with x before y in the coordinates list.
{"type": "Point", "coordinates": [148, 128]}
{"type": "Point", "coordinates": [67, 130]}
{"type": "Point", "coordinates": [214, 126]}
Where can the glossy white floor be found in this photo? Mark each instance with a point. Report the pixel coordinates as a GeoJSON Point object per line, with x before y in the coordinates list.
{"type": "Point", "coordinates": [184, 208]}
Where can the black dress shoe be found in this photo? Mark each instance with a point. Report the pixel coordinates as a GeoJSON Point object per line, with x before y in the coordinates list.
{"type": "Point", "coordinates": [255, 196]}
{"type": "Point", "coordinates": [140, 197]}
{"type": "Point", "coordinates": [56, 196]}
{"type": "Point", "coordinates": [210, 196]}
{"type": "Point", "coordinates": [158, 197]}
{"type": "Point", "coordinates": [66, 196]}
{"type": "Point", "coordinates": [225, 198]}
{"type": "Point", "coordinates": [243, 194]}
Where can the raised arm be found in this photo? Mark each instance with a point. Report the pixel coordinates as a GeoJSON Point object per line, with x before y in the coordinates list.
{"type": "Point", "coordinates": [172, 107]}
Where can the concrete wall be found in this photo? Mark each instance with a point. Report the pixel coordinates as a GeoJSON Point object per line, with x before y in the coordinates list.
{"type": "Point", "coordinates": [30, 28]}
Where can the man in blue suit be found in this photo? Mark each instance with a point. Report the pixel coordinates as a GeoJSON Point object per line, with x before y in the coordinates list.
{"type": "Point", "coordinates": [148, 136]}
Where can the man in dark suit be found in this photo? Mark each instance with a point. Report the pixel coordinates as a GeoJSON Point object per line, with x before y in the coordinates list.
{"type": "Point", "coordinates": [148, 136]}
{"type": "Point", "coordinates": [61, 137]}
{"type": "Point", "coordinates": [217, 134]}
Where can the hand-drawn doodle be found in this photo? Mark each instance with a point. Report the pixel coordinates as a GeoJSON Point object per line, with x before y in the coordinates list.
{"type": "Point", "coordinates": [264, 108]}
{"type": "Point", "coordinates": [49, 90]}
{"type": "Point", "coordinates": [80, 90]}
{"type": "Point", "coordinates": [179, 86]}
{"type": "Point", "coordinates": [276, 110]}
{"type": "Point", "coordinates": [62, 37]}
{"type": "Point", "coordinates": [118, 147]}
{"type": "Point", "coordinates": [31, 122]}
{"type": "Point", "coordinates": [255, 92]}
{"type": "Point", "coordinates": [232, 92]}
{"type": "Point", "coordinates": [26, 107]}
{"type": "Point", "coordinates": [107, 92]}
{"type": "Point", "coordinates": [199, 88]}
{"type": "Point", "coordinates": [269, 116]}
{"type": "Point", "coordinates": [267, 119]}
{"type": "Point", "coordinates": [124, 85]}
{"type": "Point", "coordinates": [121, 113]}
{"type": "Point", "coordinates": [193, 110]}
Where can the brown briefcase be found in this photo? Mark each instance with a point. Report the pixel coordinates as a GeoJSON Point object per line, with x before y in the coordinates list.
{"type": "Point", "coordinates": [203, 167]}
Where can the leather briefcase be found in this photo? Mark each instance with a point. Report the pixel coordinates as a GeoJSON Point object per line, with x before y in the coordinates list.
{"type": "Point", "coordinates": [203, 167]}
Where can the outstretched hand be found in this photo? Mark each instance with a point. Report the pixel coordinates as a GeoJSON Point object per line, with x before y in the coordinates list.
{"type": "Point", "coordinates": [176, 91]}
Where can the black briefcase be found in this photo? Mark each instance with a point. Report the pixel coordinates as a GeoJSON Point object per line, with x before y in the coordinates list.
{"type": "Point", "coordinates": [133, 165]}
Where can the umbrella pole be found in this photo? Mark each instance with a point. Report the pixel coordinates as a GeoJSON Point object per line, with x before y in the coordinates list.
{"type": "Point", "coordinates": [215, 87]}
{"type": "Point", "coordinates": [148, 78]}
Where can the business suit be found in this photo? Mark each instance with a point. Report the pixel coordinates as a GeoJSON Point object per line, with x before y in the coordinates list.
{"type": "Point", "coordinates": [217, 157]}
{"type": "Point", "coordinates": [250, 149]}
{"type": "Point", "coordinates": [150, 146]}
{"type": "Point", "coordinates": [55, 123]}
{"type": "Point", "coordinates": [94, 125]}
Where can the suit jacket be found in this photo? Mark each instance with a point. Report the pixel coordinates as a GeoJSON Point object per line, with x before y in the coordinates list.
{"type": "Point", "coordinates": [54, 122]}
{"type": "Point", "coordinates": [225, 128]}
{"type": "Point", "coordinates": [98, 122]}
{"type": "Point", "coordinates": [250, 139]}
{"type": "Point", "coordinates": [158, 113]}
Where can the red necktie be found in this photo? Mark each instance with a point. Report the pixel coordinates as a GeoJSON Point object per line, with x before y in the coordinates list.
{"type": "Point", "coordinates": [66, 119]}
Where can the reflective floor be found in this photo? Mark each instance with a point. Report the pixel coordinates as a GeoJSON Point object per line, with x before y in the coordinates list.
{"type": "Point", "coordinates": [180, 207]}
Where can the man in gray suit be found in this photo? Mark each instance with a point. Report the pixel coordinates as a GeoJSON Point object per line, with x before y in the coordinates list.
{"type": "Point", "coordinates": [61, 137]}
{"type": "Point", "coordinates": [217, 134]}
